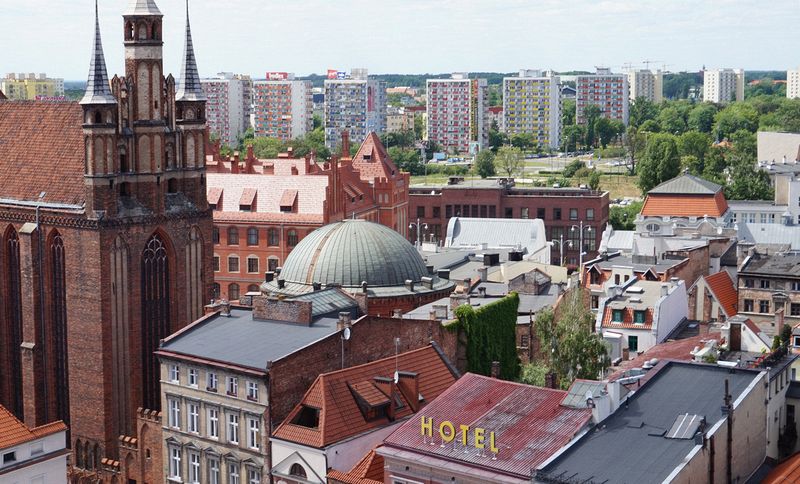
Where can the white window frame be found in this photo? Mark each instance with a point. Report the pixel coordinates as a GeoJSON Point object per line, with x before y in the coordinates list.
{"type": "Point", "coordinates": [232, 386]}
{"type": "Point", "coordinates": [175, 463]}
{"type": "Point", "coordinates": [192, 377]}
{"type": "Point", "coordinates": [193, 417]}
{"type": "Point", "coordinates": [213, 470]}
{"type": "Point", "coordinates": [194, 468]}
{"type": "Point", "coordinates": [233, 473]}
{"type": "Point", "coordinates": [253, 476]}
{"type": "Point", "coordinates": [212, 381]}
{"type": "Point", "coordinates": [174, 374]}
{"type": "Point", "coordinates": [253, 432]}
{"type": "Point", "coordinates": [213, 423]}
{"type": "Point", "coordinates": [174, 413]}
{"type": "Point", "coordinates": [252, 390]}
{"type": "Point", "coordinates": [233, 428]}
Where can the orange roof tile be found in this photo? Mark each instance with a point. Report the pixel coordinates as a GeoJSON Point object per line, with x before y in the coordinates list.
{"type": "Point", "coordinates": [371, 394]}
{"type": "Point", "coordinates": [369, 470]}
{"type": "Point", "coordinates": [787, 472]}
{"type": "Point", "coordinates": [41, 149]}
{"type": "Point", "coordinates": [724, 290]}
{"type": "Point", "coordinates": [627, 319]}
{"type": "Point", "coordinates": [288, 198]}
{"type": "Point", "coordinates": [13, 432]}
{"type": "Point", "coordinates": [213, 195]}
{"type": "Point", "coordinates": [379, 164]}
{"type": "Point", "coordinates": [248, 196]}
{"type": "Point", "coordinates": [339, 414]}
{"type": "Point", "coordinates": [676, 205]}
{"type": "Point", "coordinates": [679, 350]}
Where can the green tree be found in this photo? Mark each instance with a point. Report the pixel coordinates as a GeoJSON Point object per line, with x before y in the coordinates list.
{"type": "Point", "coordinates": [605, 131]}
{"type": "Point", "coordinates": [266, 147]}
{"type": "Point", "coordinates": [484, 163]}
{"type": "Point", "coordinates": [594, 180]}
{"type": "Point", "coordinates": [496, 138]}
{"type": "Point", "coordinates": [642, 110]}
{"type": "Point", "coordinates": [591, 114]}
{"type": "Point", "coordinates": [523, 141]}
{"type": "Point", "coordinates": [734, 117]}
{"type": "Point", "coordinates": [316, 121]}
{"type": "Point", "coordinates": [671, 120]}
{"type": "Point", "coordinates": [746, 181]}
{"type": "Point", "coordinates": [635, 142]}
{"type": "Point", "coordinates": [650, 126]}
{"type": "Point", "coordinates": [568, 113]}
{"type": "Point", "coordinates": [509, 160]}
{"type": "Point", "coordinates": [701, 117]}
{"type": "Point", "coordinates": [623, 217]}
{"type": "Point", "coordinates": [573, 167]}
{"type": "Point", "coordinates": [571, 136]}
{"type": "Point", "coordinates": [661, 161]}
{"type": "Point", "coordinates": [406, 159]}
{"type": "Point", "coordinates": [419, 128]}
{"type": "Point", "coordinates": [714, 165]}
{"type": "Point", "coordinates": [534, 374]}
{"type": "Point", "coordinates": [694, 143]}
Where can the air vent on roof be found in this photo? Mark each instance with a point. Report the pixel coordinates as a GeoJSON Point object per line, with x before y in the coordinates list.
{"type": "Point", "coordinates": [636, 299]}
{"type": "Point", "coordinates": [635, 290]}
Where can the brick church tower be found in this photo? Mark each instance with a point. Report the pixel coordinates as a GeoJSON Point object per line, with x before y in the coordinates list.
{"type": "Point", "coordinates": [105, 239]}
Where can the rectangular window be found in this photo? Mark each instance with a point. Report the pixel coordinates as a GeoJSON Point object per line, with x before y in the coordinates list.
{"type": "Point", "coordinates": [639, 317]}
{"type": "Point", "coordinates": [748, 305]}
{"type": "Point", "coordinates": [492, 211]}
{"type": "Point", "coordinates": [437, 212]}
{"type": "Point", "coordinates": [233, 263]}
{"type": "Point", "coordinates": [174, 413]}
{"type": "Point", "coordinates": [589, 214]}
{"type": "Point", "coordinates": [795, 286]}
{"type": "Point", "coordinates": [174, 373]}
{"type": "Point", "coordinates": [9, 457]}
{"type": "Point", "coordinates": [211, 382]}
{"type": "Point", "coordinates": [252, 264]}
{"type": "Point", "coordinates": [252, 391]}
{"type": "Point", "coordinates": [763, 306]}
{"type": "Point", "coordinates": [233, 386]}
{"type": "Point", "coordinates": [252, 236]}
{"type": "Point", "coordinates": [764, 283]}
{"type": "Point", "coordinates": [192, 418]}
{"type": "Point", "coordinates": [215, 236]}
{"type": "Point", "coordinates": [253, 476]}
{"type": "Point", "coordinates": [213, 470]}
{"type": "Point", "coordinates": [192, 378]}
{"type": "Point", "coordinates": [194, 468]}
{"type": "Point", "coordinates": [794, 309]}
{"type": "Point", "coordinates": [233, 473]}
{"type": "Point", "coordinates": [633, 343]}
{"type": "Point", "coordinates": [749, 283]}
{"type": "Point", "coordinates": [448, 211]}
{"type": "Point", "coordinates": [216, 263]}
{"type": "Point", "coordinates": [556, 214]}
{"type": "Point", "coordinates": [523, 212]}
{"type": "Point", "coordinates": [616, 315]}
{"type": "Point", "coordinates": [174, 462]}
{"type": "Point", "coordinates": [573, 214]}
{"type": "Point", "coordinates": [595, 302]}
{"type": "Point", "coordinates": [421, 212]}
{"type": "Point", "coordinates": [253, 431]}
{"type": "Point", "coordinates": [233, 428]}
{"type": "Point", "coordinates": [540, 213]}
{"type": "Point", "coordinates": [213, 423]}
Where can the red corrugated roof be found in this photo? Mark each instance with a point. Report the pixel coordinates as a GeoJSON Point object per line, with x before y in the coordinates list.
{"type": "Point", "coordinates": [529, 424]}
{"type": "Point", "coordinates": [676, 205]}
{"type": "Point", "coordinates": [339, 413]}
{"type": "Point", "coordinates": [369, 470]}
{"type": "Point", "coordinates": [724, 290]}
{"type": "Point", "coordinates": [41, 149]}
{"type": "Point", "coordinates": [13, 432]}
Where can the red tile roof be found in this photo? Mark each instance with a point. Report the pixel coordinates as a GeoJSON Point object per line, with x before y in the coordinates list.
{"type": "Point", "coordinates": [2, 96]}
{"type": "Point", "coordinates": [369, 470]}
{"type": "Point", "coordinates": [529, 425]}
{"type": "Point", "coordinates": [627, 319]}
{"type": "Point", "coordinates": [676, 205]}
{"type": "Point", "coordinates": [13, 432]}
{"type": "Point", "coordinates": [41, 149]}
{"type": "Point", "coordinates": [724, 290]}
{"type": "Point", "coordinates": [496, 109]}
{"type": "Point", "coordinates": [379, 165]}
{"type": "Point", "coordinates": [213, 195]}
{"type": "Point", "coordinates": [248, 196]}
{"type": "Point", "coordinates": [288, 198]}
{"type": "Point", "coordinates": [340, 416]}
{"type": "Point", "coordinates": [788, 472]}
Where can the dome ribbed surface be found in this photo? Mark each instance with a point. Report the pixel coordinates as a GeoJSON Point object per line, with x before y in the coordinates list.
{"type": "Point", "coordinates": [347, 253]}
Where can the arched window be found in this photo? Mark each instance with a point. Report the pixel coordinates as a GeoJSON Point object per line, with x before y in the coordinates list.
{"type": "Point", "coordinates": [273, 238]}
{"type": "Point", "coordinates": [253, 288]}
{"type": "Point", "coordinates": [252, 236]}
{"type": "Point", "coordinates": [58, 324]}
{"type": "Point", "coordinates": [154, 33]}
{"type": "Point", "coordinates": [291, 238]}
{"type": "Point", "coordinates": [78, 454]}
{"type": "Point", "coordinates": [215, 290]}
{"type": "Point", "coordinates": [12, 334]}
{"type": "Point", "coordinates": [155, 315]}
{"type": "Point", "coordinates": [233, 236]}
{"type": "Point", "coordinates": [142, 31]}
{"type": "Point", "coordinates": [233, 292]}
{"type": "Point", "coordinates": [297, 470]}
{"type": "Point", "coordinates": [98, 117]}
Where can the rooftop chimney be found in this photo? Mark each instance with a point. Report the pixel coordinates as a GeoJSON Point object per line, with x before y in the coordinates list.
{"type": "Point", "coordinates": [444, 274]}
{"type": "Point", "coordinates": [363, 287]}
{"type": "Point", "coordinates": [345, 143]}
{"type": "Point", "coordinates": [281, 283]}
{"type": "Point", "coordinates": [429, 267]}
{"type": "Point", "coordinates": [482, 292]}
{"type": "Point", "coordinates": [495, 369]}
{"type": "Point", "coordinates": [427, 282]}
{"type": "Point", "coordinates": [225, 308]}
{"type": "Point", "coordinates": [457, 300]}
{"type": "Point", "coordinates": [664, 289]}
{"type": "Point", "coordinates": [316, 286]}
{"type": "Point", "coordinates": [439, 311]}
{"type": "Point", "coordinates": [484, 273]}
{"type": "Point", "coordinates": [410, 285]}
{"type": "Point", "coordinates": [397, 313]}
{"type": "Point", "coordinates": [269, 276]}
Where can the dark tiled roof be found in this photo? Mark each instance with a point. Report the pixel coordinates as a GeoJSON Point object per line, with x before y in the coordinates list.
{"type": "Point", "coordinates": [786, 265]}
{"type": "Point", "coordinates": [687, 185]}
{"type": "Point", "coordinates": [41, 149]}
{"type": "Point", "coordinates": [339, 414]}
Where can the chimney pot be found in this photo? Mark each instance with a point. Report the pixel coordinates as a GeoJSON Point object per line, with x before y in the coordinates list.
{"type": "Point", "coordinates": [281, 283]}
{"type": "Point", "coordinates": [364, 287]}
{"type": "Point", "coordinates": [397, 313]}
{"type": "Point", "coordinates": [345, 319]}
{"type": "Point", "coordinates": [269, 276]}
{"type": "Point", "coordinates": [316, 286]}
{"type": "Point", "coordinates": [444, 274]}
{"type": "Point", "coordinates": [484, 273]}
{"type": "Point", "coordinates": [495, 369]}
{"type": "Point", "coordinates": [410, 285]}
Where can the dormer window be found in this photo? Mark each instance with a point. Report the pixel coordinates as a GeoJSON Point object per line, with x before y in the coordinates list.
{"type": "Point", "coordinates": [616, 316]}
{"type": "Point", "coordinates": [639, 317]}
{"type": "Point", "coordinates": [307, 417]}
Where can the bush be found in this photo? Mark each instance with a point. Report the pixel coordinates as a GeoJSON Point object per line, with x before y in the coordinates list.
{"type": "Point", "coordinates": [573, 167]}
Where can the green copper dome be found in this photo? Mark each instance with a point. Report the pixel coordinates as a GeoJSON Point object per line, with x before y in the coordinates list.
{"type": "Point", "coordinates": [350, 252]}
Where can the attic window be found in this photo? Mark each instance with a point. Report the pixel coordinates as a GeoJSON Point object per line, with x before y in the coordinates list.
{"type": "Point", "coordinates": [245, 208]}
{"type": "Point", "coordinates": [367, 157]}
{"type": "Point", "coordinates": [9, 457]}
{"type": "Point", "coordinates": [639, 317]}
{"type": "Point", "coordinates": [307, 417]}
{"type": "Point", "coordinates": [616, 315]}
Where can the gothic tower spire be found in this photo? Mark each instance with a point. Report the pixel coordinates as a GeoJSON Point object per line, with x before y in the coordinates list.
{"type": "Point", "coordinates": [188, 88]}
{"type": "Point", "coordinates": [98, 90]}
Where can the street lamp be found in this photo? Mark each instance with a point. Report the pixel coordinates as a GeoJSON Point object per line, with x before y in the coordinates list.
{"type": "Point", "coordinates": [417, 226]}
{"type": "Point", "coordinates": [560, 242]}
{"type": "Point", "coordinates": [581, 252]}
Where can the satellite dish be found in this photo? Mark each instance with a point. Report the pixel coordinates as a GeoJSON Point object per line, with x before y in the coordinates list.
{"type": "Point", "coordinates": [396, 377]}
{"type": "Point", "coordinates": [346, 334]}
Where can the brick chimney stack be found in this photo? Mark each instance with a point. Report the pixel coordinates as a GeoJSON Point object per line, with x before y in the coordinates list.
{"type": "Point", "coordinates": [345, 144]}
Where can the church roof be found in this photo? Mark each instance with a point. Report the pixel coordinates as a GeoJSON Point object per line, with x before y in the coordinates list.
{"type": "Point", "coordinates": [98, 89]}
{"type": "Point", "coordinates": [142, 7]}
{"type": "Point", "coordinates": [188, 87]}
{"type": "Point", "coordinates": [686, 185]}
{"type": "Point", "coordinates": [41, 149]}
{"type": "Point", "coordinates": [372, 159]}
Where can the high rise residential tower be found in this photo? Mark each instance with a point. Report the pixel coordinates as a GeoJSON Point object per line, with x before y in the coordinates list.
{"type": "Point", "coordinates": [458, 113]}
{"type": "Point", "coordinates": [354, 103]}
{"type": "Point", "coordinates": [604, 89]}
{"type": "Point", "coordinates": [723, 85]}
{"type": "Point", "coordinates": [532, 104]}
{"type": "Point", "coordinates": [646, 84]}
{"type": "Point", "coordinates": [282, 106]}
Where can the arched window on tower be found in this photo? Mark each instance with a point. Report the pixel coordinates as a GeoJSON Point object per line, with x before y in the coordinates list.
{"type": "Point", "coordinates": [155, 315]}
{"type": "Point", "coordinates": [142, 31]}
{"type": "Point", "coordinates": [58, 324]}
{"type": "Point", "coordinates": [98, 117]}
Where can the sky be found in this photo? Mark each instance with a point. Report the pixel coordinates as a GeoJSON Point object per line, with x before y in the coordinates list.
{"type": "Point", "coordinates": [414, 36]}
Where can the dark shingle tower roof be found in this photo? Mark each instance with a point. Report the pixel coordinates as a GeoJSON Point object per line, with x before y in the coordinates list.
{"type": "Point", "coordinates": [98, 90]}
{"type": "Point", "coordinates": [188, 87]}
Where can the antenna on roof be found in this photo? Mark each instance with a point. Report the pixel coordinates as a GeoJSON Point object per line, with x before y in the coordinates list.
{"type": "Point", "coordinates": [396, 366]}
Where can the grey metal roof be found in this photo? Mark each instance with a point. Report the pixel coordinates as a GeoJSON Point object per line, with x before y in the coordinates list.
{"type": "Point", "coordinates": [629, 446]}
{"type": "Point", "coordinates": [142, 7]}
{"type": "Point", "coordinates": [352, 251]}
{"type": "Point", "coordinates": [687, 185]}
{"type": "Point", "coordinates": [98, 89]}
{"type": "Point", "coordinates": [188, 86]}
{"type": "Point", "coordinates": [328, 302]}
{"type": "Point", "coordinates": [786, 265]}
{"type": "Point", "coordinates": [527, 234]}
{"type": "Point", "coordinates": [247, 342]}
{"type": "Point", "coordinates": [773, 147]}
{"type": "Point", "coordinates": [577, 394]}
{"type": "Point", "coordinates": [760, 205]}
{"type": "Point", "coordinates": [770, 234]}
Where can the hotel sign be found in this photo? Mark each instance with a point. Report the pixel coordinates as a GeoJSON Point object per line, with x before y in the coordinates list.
{"type": "Point", "coordinates": [481, 439]}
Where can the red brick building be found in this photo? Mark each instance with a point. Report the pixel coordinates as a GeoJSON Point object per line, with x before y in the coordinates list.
{"type": "Point", "coordinates": [559, 208]}
{"type": "Point", "coordinates": [264, 208]}
{"type": "Point", "coordinates": [106, 240]}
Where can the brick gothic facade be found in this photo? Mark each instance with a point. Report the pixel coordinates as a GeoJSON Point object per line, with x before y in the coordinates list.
{"type": "Point", "coordinates": [105, 242]}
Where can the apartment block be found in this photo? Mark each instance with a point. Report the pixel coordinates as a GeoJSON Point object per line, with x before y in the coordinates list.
{"type": "Point", "coordinates": [353, 102]}
{"type": "Point", "coordinates": [723, 85]}
{"type": "Point", "coordinates": [647, 84]}
{"type": "Point", "coordinates": [282, 106]}
{"type": "Point", "coordinates": [458, 113]}
{"type": "Point", "coordinates": [532, 104]}
{"type": "Point", "coordinates": [20, 87]}
{"type": "Point", "coordinates": [606, 90]}
{"type": "Point", "coordinates": [793, 83]}
{"type": "Point", "coordinates": [225, 108]}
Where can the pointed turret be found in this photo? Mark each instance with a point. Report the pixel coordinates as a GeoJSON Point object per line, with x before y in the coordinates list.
{"type": "Point", "coordinates": [142, 7]}
{"type": "Point", "coordinates": [98, 90]}
{"type": "Point", "coordinates": [188, 88]}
